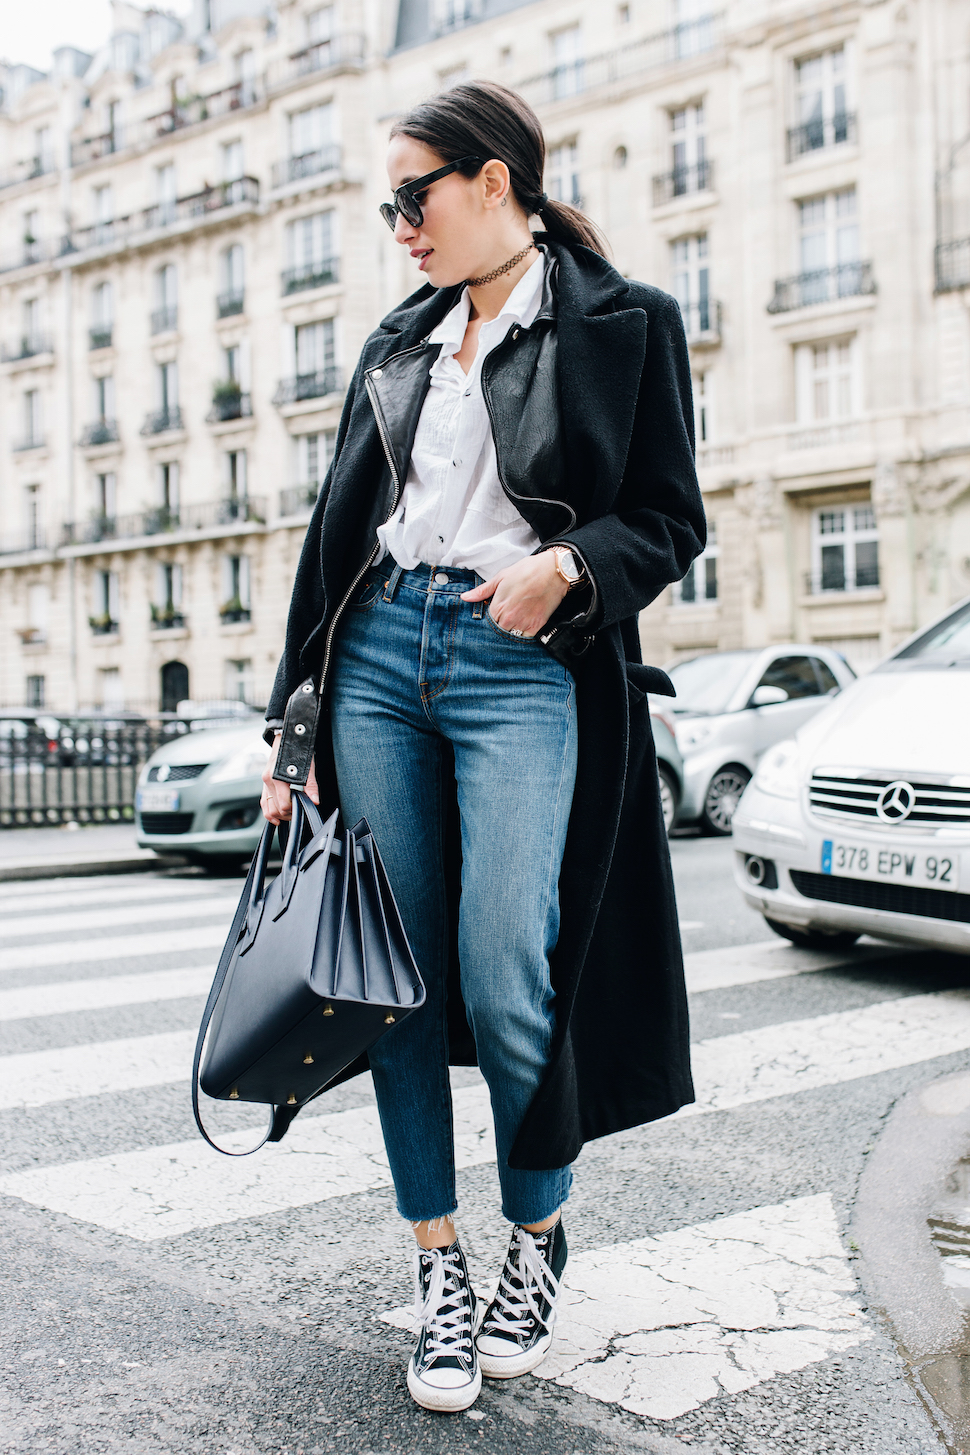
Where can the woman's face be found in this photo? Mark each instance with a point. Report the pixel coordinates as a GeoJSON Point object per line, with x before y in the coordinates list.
{"type": "Point", "coordinates": [456, 239]}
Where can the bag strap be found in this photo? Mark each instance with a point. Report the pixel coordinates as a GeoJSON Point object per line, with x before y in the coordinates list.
{"type": "Point", "coordinates": [299, 736]}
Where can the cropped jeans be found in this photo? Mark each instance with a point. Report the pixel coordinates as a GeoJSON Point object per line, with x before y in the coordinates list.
{"type": "Point", "coordinates": [416, 669]}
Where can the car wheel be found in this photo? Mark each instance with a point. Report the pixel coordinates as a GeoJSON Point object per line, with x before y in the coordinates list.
{"type": "Point", "coordinates": [721, 798]}
{"type": "Point", "coordinates": [813, 939]}
{"type": "Point", "coordinates": [668, 795]}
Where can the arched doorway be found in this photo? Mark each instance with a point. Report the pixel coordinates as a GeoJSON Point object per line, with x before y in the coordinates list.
{"type": "Point", "coordinates": [175, 685]}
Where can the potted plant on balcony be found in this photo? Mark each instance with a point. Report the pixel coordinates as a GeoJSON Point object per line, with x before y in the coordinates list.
{"type": "Point", "coordinates": [233, 611]}
{"type": "Point", "coordinates": [102, 624]}
{"type": "Point", "coordinates": [165, 617]}
{"type": "Point", "coordinates": [227, 399]}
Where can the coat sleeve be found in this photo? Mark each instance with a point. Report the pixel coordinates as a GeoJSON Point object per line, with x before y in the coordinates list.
{"type": "Point", "coordinates": [657, 526]}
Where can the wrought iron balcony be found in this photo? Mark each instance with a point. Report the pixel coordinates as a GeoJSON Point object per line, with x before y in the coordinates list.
{"type": "Point", "coordinates": [232, 612]}
{"type": "Point", "coordinates": [100, 336]}
{"type": "Point", "coordinates": [308, 386]}
{"type": "Point", "coordinates": [692, 38]}
{"type": "Point", "coordinates": [167, 617]}
{"type": "Point", "coordinates": [325, 55]}
{"type": "Point", "coordinates": [103, 625]}
{"type": "Point", "coordinates": [122, 230]}
{"type": "Point", "coordinates": [95, 148]}
{"type": "Point", "coordinates": [185, 111]}
{"type": "Point", "coordinates": [230, 303]}
{"type": "Point", "coordinates": [164, 519]}
{"type": "Point", "coordinates": [682, 181]}
{"type": "Point", "coordinates": [838, 576]}
{"type": "Point", "coordinates": [310, 275]}
{"type": "Point", "coordinates": [702, 322]}
{"type": "Point", "coordinates": [822, 285]}
{"type": "Point", "coordinates": [164, 320]}
{"type": "Point", "coordinates": [229, 404]}
{"type": "Point", "coordinates": [28, 540]}
{"type": "Point", "coordinates": [28, 347]}
{"type": "Point", "coordinates": [309, 164]}
{"type": "Point", "coordinates": [160, 420]}
{"type": "Point", "coordinates": [99, 432]}
{"type": "Point", "coordinates": [298, 498]}
{"type": "Point", "coordinates": [821, 131]}
{"type": "Point", "coordinates": [27, 170]}
{"type": "Point", "coordinates": [953, 265]}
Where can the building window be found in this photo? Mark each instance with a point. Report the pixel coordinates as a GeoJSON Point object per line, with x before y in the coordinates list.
{"type": "Point", "coordinates": [562, 173]}
{"type": "Point", "coordinates": [688, 150]}
{"type": "Point", "coordinates": [166, 313]}
{"type": "Point", "coordinates": [311, 130]}
{"type": "Point", "coordinates": [167, 603]}
{"type": "Point", "coordinates": [36, 691]}
{"type": "Point", "coordinates": [821, 110]}
{"type": "Point", "coordinates": [33, 532]}
{"type": "Point", "coordinates": [703, 408]}
{"type": "Point", "coordinates": [232, 161]}
{"type": "Point", "coordinates": [167, 385]}
{"type": "Point", "coordinates": [102, 315]}
{"type": "Point", "coordinates": [32, 340]}
{"type": "Point", "coordinates": [693, 29]}
{"type": "Point", "coordinates": [236, 603]}
{"type": "Point", "coordinates": [167, 487]}
{"type": "Point", "coordinates": [845, 549]}
{"type": "Point", "coordinates": [110, 692]}
{"type": "Point", "coordinates": [33, 422]}
{"type": "Point", "coordinates": [106, 496]}
{"type": "Point", "coordinates": [104, 398]}
{"type": "Point", "coordinates": [567, 63]}
{"type": "Point", "coordinates": [313, 454]}
{"type": "Point", "coordinates": [828, 246]}
{"type": "Point", "coordinates": [450, 14]}
{"type": "Point", "coordinates": [700, 583]}
{"type": "Point", "coordinates": [105, 600]}
{"type": "Point", "coordinates": [235, 476]}
{"type": "Point", "coordinates": [245, 67]}
{"type": "Point", "coordinates": [103, 212]}
{"type": "Point", "coordinates": [164, 195]}
{"type": "Point", "coordinates": [43, 160]}
{"type": "Point", "coordinates": [319, 25]}
{"type": "Point", "coordinates": [315, 348]}
{"type": "Point", "coordinates": [826, 382]}
{"type": "Point", "coordinates": [232, 295]}
{"type": "Point", "coordinates": [691, 282]}
{"type": "Point", "coordinates": [311, 252]}
{"type": "Point", "coordinates": [239, 680]}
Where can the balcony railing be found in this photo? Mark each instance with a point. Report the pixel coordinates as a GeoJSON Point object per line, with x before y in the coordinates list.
{"type": "Point", "coordinates": [230, 303]}
{"type": "Point", "coordinates": [103, 625]}
{"type": "Point", "coordinates": [682, 181]}
{"type": "Point", "coordinates": [27, 170]}
{"type": "Point", "coordinates": [27, 347]}
{"type": "Point", "coordinates": [121, 230]}
{"type": "Point", "coordinates": [702, 321]}
{"type": "Point", "coordinates": [822, 285]}
{"type": "Point", "coordinates": [310, 275]}
{"type": "Point", "coordinates": [34, 250]}
{"type": "Point", "coordinates": [233, 612]}
{"type": "Point", "coordinates": [953, 265]}
{"type": "Point", "coordinates": [309, 164]}
{"type": "Point", "coordinates": [827, 131]}
{"type": "Point", "coordinates": [100, 432]}
{"type": "Point", "coordinates": [308, 386]}
{"type": "Point", "coordinates": [29, 442]}
{"type": "Point", "coordinates": [28, 540]}
{"type": "Point", "coordinates": [187, 111]}
{"type": "Point", "coordinates": [692, 38]}
{"type": "Point", "coordinates": [837, 576]}
{"type": "Point", "coordinates": [160, 420]}
{"type": "Point", "coordinates": [164, 320]}
{"type": "Point", "coordinates": [168, 617]}
{"type": "Point", "coordinates": [164, 519]}
{"type": "Point", "coordinates": [298, 498]}
{"type": "Point", "coordinates": [235, 405]}
{"type": "Point", "coordinates": [100, 336]}
{"type": "Point", "coordinates": [95, 148]}
{"type": "Point", "coordinates": [324, 55]}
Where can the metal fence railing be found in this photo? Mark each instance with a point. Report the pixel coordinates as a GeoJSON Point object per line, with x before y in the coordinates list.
{"type": "Point", "coordinates": [81, 769]}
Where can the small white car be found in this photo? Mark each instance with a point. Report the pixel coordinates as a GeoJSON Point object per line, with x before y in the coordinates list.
{"type": "Point", "coordinates": [860, 824]}
{"type": "Point", "coordinates": [731, 707]}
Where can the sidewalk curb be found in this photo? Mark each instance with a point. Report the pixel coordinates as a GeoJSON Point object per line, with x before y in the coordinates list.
{"type": "Point", "coordinates": [925, 1135]}
{"type": "Point", "coordinates": [49, 866]}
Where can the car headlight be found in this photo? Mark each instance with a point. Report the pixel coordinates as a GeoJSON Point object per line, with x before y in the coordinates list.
{"type": "Point", "coordinates": [249, 761]}
{"type": "Point", "coordinates": [692, 734]}
{"type": "Point", "coordinates": [777, 772]}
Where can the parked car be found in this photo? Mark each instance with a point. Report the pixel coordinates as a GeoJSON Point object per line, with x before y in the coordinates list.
{"type": "Point", "coordinates": [198, 795]}
{"type": "Point", "coordinates": [30, 736]}
{"type": "Point", "coordinates": [670, 765]}
{"type": "Point", "coordinates": [860, 824]}
{"type": "Point", "coordinates": [731, 707]}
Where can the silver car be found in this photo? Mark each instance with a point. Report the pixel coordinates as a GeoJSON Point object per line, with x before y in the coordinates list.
{"type": "Point", "coordinates": [198, 796]}
{"type": "Point", "coordinates": [731, 707]}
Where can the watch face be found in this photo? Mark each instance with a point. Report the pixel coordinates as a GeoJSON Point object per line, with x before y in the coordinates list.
{"type": "Point", "coordinates": [567, 564]}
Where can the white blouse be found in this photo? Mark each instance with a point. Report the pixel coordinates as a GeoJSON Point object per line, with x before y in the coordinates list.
{"type": "Point", "coordinates": [453, 510]}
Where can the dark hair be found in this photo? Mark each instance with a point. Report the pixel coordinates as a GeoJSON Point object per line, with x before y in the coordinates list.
{"type": "Point", "coordinates": [483, 119]}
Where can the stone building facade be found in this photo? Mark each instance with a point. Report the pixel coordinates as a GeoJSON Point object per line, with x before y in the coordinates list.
{"type": "Point", "coordinates": [191, 256]}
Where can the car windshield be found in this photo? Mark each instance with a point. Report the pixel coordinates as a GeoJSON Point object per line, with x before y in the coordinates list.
{"type": "Point", "coordinates": [707, 684]}
{"type": "Point", "coordinates": [948, 641]}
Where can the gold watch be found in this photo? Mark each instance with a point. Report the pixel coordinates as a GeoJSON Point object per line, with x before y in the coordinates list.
{"type": "Point", "coordinates": [568, 567]}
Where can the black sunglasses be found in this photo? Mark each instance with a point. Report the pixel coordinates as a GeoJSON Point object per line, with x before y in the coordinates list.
{"type": "Point", "coordinates": [406, 202]}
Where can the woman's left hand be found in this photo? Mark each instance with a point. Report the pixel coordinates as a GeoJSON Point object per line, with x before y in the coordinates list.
{"type": "Point", "coordinates": [523, 596]}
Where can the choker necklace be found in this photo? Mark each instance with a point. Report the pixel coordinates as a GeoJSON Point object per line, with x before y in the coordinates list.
{"type": "Point", "coordinates": [505, 268]}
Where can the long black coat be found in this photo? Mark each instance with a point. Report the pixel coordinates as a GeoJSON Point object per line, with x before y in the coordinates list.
{"type": "Point", "coordinates": [620, 1055]}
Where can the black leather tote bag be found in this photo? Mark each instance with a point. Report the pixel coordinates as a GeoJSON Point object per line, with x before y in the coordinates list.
{"type": "Point", "coordinates": [316, 968]}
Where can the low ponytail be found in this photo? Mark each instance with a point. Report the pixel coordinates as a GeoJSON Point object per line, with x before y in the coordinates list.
{"type": "Point", "coordinates": [483, 119]}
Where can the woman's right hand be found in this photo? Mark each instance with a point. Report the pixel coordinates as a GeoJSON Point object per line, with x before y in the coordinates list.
{"type": "Point", "coordinates": [276, 801]}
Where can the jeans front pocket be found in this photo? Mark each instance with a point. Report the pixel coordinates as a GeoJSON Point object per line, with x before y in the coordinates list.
{"type": "Point", "coordinates": [367, 592]}
{"type": "Point", "coordinates": [506, 636]}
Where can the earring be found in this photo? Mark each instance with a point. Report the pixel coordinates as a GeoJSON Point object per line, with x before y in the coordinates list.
{"type": "Point", "coordinates": [504, 200]}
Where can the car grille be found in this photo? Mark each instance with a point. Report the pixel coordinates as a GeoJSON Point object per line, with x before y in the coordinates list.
{"type": "Point", "coordinates": [177, 772]}
{"type": "Point", "coordinates": [166, 823]}
{"type": "Point", "coordinates": [896, 898]}
{"type": "Point", "coordinates": [854, 798]}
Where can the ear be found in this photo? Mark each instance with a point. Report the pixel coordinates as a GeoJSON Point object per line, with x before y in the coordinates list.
{"type": "Point", "coordinates": [496, 182]}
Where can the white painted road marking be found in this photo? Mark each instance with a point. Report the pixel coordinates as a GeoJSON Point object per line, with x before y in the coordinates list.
{"type": "Point", "coordinates": [115, 947]}
{"type": "Point", "coordinates": [773, 960]}
{"type": "Point", "coordinates": [735, 1070]}
{"type": "Point", "coordinates": [112, 990]}
{"type": "Point", "coordinates": [148, 893]}
{"type": "Point", "coordinates": [661, 1325]}
{"type": "Point", "coordinates": [126, 914]}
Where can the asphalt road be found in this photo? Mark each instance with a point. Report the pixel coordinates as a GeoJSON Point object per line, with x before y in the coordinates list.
{"type": "Point", "coordinates": [161, 1299]}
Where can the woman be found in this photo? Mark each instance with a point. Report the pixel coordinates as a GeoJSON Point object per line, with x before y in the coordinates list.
{"type": "Point", "coordinates": [513, 482]}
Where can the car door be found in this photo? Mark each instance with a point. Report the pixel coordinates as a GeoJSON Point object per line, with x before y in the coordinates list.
{"type": "Point", "coordinates": [796, 675]}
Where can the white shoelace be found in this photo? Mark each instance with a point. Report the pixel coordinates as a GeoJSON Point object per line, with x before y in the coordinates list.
{"type": "Point", "coordinates": [513, 1306]}
{"type": "Point", "coordinates": [449, 1332]}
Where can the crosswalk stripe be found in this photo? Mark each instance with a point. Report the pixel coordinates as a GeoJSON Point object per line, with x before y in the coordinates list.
{"type": "Point", "coordinates": [773, 960]}
{"type": "Point", "coordinates": [116, 947]}
{"type": "Point", "coordinates": [148, 892]}
{"type": "Point", "coordinates": [111, 990]}
{"type": "Point", "coordinates": [126, 914]}
{"type": "Point", "coordinates": [661, 1325]}
{"type": "Point", "coordinates": [730, 1071]}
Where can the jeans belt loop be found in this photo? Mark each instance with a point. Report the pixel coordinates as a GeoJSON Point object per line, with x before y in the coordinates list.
{"type": "Point", "coordinates": [390, 588]}
{"type": "Point", "coordinates": [479, 608]}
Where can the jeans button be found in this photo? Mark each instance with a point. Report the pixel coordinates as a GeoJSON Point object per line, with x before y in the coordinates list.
{"type": "Point", "coordinates": [440, 578]}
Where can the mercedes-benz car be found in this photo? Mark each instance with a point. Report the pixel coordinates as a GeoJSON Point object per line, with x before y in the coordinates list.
{"type": "Point", "coordinates": [860, 823]}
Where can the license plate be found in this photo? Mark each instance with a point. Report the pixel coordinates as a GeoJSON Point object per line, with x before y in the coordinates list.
{"type": "Point", "coordinates": [157, 800]}
{"type": "Point", "coordinates": [930, 870]}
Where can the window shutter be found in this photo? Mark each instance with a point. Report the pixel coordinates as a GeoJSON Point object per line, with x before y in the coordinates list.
{"type": "Point", "coordinates": [804, 398]}
{"type": "Point", "coordinates": [244, 580]}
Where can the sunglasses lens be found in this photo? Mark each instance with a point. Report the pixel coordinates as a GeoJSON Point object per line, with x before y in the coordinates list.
{"type": "Point", "coordinates": [410, 210]}
{"type": "Point", "coordinates": [389, 214]}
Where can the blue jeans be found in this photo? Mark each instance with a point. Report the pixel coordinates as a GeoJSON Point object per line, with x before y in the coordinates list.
{"type": "Point", "coordinates": [415, 669]}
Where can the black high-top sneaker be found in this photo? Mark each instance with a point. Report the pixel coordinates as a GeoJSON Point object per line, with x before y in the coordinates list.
{"type": "Point", "coordinates": [516, 1332]}
{"type": "Point", "coordinates": [443, 1373]}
